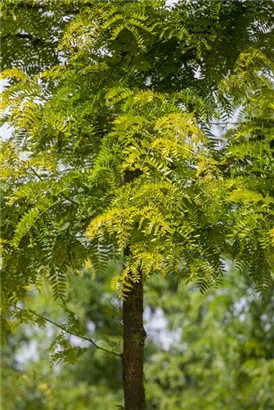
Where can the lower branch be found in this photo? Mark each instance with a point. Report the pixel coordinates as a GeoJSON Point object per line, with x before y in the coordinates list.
{"type": "Point", "coordinates": [88, 339]}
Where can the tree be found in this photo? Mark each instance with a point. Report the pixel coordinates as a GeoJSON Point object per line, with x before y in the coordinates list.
{"type": "Point", "coordinates": [112, 160]}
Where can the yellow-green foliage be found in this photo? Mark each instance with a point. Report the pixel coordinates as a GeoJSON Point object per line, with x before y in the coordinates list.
{"type": "Point", "coordinates": [102, 165]}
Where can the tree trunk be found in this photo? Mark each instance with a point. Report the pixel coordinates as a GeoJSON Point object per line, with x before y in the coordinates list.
{"type": "Point", "coordinates": [133, 352]}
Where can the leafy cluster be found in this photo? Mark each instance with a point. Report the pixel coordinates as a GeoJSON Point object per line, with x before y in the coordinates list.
{"type": "Point", "coordinates": [111, 156]}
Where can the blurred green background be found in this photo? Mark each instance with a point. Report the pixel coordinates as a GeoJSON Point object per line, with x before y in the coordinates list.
{"type": "Point", "coordinates": [203, 352]}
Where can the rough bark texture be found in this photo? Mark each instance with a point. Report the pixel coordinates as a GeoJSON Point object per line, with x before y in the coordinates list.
{"type": "Point", "coordinates": [133, 352]}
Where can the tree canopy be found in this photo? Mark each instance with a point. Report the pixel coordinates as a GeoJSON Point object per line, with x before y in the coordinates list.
{"type": "Point", "coordinates": [91, 123]}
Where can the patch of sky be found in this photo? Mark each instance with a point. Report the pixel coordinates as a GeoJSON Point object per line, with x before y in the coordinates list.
{"type": "Point", "coordinates": [156, 326]}
{"type": "Point", "coordinates": [171, 2]}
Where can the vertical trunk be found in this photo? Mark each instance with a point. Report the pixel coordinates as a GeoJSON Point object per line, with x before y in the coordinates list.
{"type": "Point", "coordinates": [133, 352]}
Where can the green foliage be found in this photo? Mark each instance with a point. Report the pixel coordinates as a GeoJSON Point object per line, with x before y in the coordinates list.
{"type": "Point", "coordinates": [116, 162]}
{"type": "Point", "coordinates": [225, 346]}
{"type": "Point", "coordinates": [113, 165]}
{"type": "Point", "coordinates": [210, 345]}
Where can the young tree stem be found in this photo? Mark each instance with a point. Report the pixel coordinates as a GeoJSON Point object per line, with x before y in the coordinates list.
{"type": "Point", "coordinates": [133, 352]}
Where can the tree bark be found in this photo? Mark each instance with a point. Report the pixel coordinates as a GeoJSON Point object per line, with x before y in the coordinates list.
{"type": "Point", "coordinates": [133, 351]}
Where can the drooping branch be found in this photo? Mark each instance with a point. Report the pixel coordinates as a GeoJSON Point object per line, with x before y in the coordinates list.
{"type": "Point", "coordinates": [27, 36]}
{"type": "Point", "coordinates": [42, 7]}
{"type": "Point", "coordinates": [86, 338]}
{"type": "Point", "coordinates": [41, 179]}
{"type": "Point", "coordinates": [32, 5]}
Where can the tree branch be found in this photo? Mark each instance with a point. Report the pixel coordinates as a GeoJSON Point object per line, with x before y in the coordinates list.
{"type": "Point", "coordinates": [88, 339]}
{"type": "Point", "coordinates": [28, 36]}
{"type": "Point", "coordinates": [40, 6]}
{"type": "Point", "coordinates": [69, 199]}
{"type": "Point", "coordinates": [41, 179]}
{"type": "Point", "coordinates": [33, 170]}
{"type": "Point", "coordinates": [32, 5]}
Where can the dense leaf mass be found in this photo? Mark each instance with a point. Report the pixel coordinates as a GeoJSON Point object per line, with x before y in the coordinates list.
{"type": "Point", "coordinates": [112, 145]}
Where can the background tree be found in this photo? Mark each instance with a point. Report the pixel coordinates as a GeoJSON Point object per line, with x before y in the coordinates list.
{"type": "Point", "coordinates": [199, 349]}
{"type": "Point", "coordinates": [107, 161]}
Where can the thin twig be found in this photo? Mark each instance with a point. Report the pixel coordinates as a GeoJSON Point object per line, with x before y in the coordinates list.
{"type": "Point", "coordinates": [33, 5]}
{"type": "Point", "coordinates": [74, 334]}
{"type": "Point", "coordinates": [41, 179]}
{"type": "Point", "coordinates": [69, 199]}
{"type": "Point", "coordinates": [33, 170]}
{"type": "Point", "coordinates": [27, 36]}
